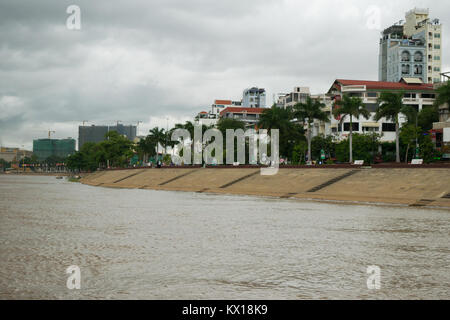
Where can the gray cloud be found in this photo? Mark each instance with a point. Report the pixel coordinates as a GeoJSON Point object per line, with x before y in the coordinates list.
{"type": "Point", "coordinates": [148, 61]}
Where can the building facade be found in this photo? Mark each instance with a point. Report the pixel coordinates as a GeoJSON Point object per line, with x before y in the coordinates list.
{"type": "Point", "coordinates": [97, 134]}
{"type": "Point", "coordinates": [250, 116]}
{"type": "Point", "coordinates": [212, 117]}
{"type": "Point", "coordinates": [298, 95]}
{"type": "Point", "coordinates": [411, 49]}
{"type": "Point", "coordinates": [418, 25]}
{"type": "Point", "coordinates": [417, 95]}
{"type": "Point", "coordinates": [61, 148]}
{"type": "Point", "coordinates": [254, 98]}
{"type": "Point", "coordinates": [14, 154]}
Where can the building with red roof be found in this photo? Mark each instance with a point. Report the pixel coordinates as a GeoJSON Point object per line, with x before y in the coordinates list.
{"type": "Point", "coordinates": [418, 95]}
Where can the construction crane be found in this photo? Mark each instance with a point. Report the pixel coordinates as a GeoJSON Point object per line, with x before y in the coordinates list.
{"type": "Point", "coordinates": [50, 132]}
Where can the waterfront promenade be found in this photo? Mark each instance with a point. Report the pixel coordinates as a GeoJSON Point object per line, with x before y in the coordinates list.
{"type": "Point", "coordinates": [421, 187]}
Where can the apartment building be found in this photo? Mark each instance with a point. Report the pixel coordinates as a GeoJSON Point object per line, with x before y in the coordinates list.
{"type": "Point", "coordinates": [97, 134]}
{"type": "Point", "coordinates": [419, 25]}
{"type": "Point", "coordinates": [411, 49]}
{"type": "Point", "coordinates": [212, 117]}
{"type": "Point", "coordinates": [298, 95]}
{"type": "Point", "coordinates": [417, 94]}
{"type": "Point", "coordinates": [254, 98]}
{"type": "Point", "coordinates": [250, 116]}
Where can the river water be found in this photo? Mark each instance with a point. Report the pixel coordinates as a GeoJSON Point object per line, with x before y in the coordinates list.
{"type": "Point", "coordinates": [142, 244]}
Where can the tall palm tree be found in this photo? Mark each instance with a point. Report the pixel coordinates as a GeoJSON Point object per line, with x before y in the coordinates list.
{"type": "Point", "coordinates": [159, 136]}
{"type": "Point", "coordinates": [352, 107]}
{"type": "Point", "coordinates": [390, 106]}
{"type": "Point", "coordinates": [308, 112]}
{"type": "Point", "coordinates": [281, 119]}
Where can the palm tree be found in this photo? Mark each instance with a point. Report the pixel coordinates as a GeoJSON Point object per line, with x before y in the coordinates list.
{"type": "Point", "coordinates": [390, 106]}
{"type": "Point", "coordinates": [350, 107]}
{"type": "Point", "coordinates": [159, 136]}
{"type": "Point", "coordinates": [443, 94]}
{"type": "Point", "coordinates": [281, 119]}
{"type": "Point", "coordinates": [308, 112]}
{"type": "Point", "coordinates": [147, 147]}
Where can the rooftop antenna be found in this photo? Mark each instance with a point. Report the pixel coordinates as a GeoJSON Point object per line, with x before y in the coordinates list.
{"type": "Point", "coordinates": [50, 132]}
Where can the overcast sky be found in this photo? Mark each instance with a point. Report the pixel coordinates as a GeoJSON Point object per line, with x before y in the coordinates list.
{"type": "Point", "coordinates": [149, 60]}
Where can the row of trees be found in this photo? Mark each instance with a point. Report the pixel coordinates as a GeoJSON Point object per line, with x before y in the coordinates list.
{"type": "Point", "coordinates": [390, 107]}
{"type": "Point", "coordinates": [295, 144]}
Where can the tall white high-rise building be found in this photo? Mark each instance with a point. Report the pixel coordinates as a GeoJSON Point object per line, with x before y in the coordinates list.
{"type": "Point", "coordinates": [419, 25]}
{"type": "Point", "coordinates": [411, 49]}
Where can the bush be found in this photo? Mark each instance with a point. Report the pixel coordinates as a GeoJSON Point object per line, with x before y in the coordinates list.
{"type": "Point", "coordinates": [365, 147]}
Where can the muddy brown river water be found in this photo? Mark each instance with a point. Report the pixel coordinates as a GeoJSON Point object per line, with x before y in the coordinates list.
{"type": "Point", "coordinates": [143, 244]}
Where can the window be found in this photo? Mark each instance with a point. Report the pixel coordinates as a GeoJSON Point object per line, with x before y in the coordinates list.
{"type": "Point", "coordinates": [347, 126]}
{"type": "Point", "coordinates": [410, 95]}
{"type": "Point", "coordinates": [405, 69]}
{"type": "Point", "coordinates": [437, 69]}
{"type": "Point", "coordinates": [437, 58]}
{"type": "Point", "coordinates": [437, 46]}
{"type": "Point", "coordinates": [371, 129]}
{"type": "Point", "coordinates": [388, 127]}
{"type": "Point", "coordinates": [418, 57]}
{"type": "Point", "coordinates": [418, 69]}
{"type": "Point", "coordinates": [437, 35]}
{"type": "Point", "coordinates": [428, 95]}
{"type": "Point", "coordinates": [372, 94]}
{"type": "Point", "coordinates": [406, 56]}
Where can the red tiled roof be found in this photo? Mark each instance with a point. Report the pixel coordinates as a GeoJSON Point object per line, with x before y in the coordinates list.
{"type": "Point", "coordinates": [242, 110]}
{"type": "Point", "coordinates": [224, 102]}
{"type": "Point", "coordinates": [203, 112]}
{"type": "Point", "coordinates": [381, 85]}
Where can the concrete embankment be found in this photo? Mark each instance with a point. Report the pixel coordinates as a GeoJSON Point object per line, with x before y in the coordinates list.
{"type": "Point", "coordinates": [408, 186]}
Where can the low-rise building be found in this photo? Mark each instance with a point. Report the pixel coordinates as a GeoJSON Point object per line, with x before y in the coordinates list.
{"type": "Point", "coordinates": [14, 154]}
{"type": "Point", "coordinates": [417, 95]}
{"type": "Point", "coordinates": [298, 95]}
{"type": "Point", "coordinates": [250, 116]}
{"type": "Point", "coordinates": [212, 117]}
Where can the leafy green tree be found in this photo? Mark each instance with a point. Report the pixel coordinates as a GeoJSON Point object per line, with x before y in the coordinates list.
{"type": "Point", "coordinates": [281, 119]}
{"type": "Point", "coordinates": [319, 143]}
{"type": "Point", "coordinates": [427, 151]}
{"type": "Point", "coordinates": [307, 112]}
{"type": "Point", "coordinates": [390, 107]}
{"type": "Point", "coordinates": [443, 95]}
{"type": "Point", "coordinates": [352, 107]}
{"type": "Point", "coordinates": [117, 149]}
{"type": "Point", "coordinates": [147, 147]}
{"type": "Point", "coordinates": [408, 136]}
{"type": "Point", "coordinates": [299, 152]}
{"type": "Point", "coordinates": [427, 116]}
{"type": "Point", "coordinates": [365, 147]}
